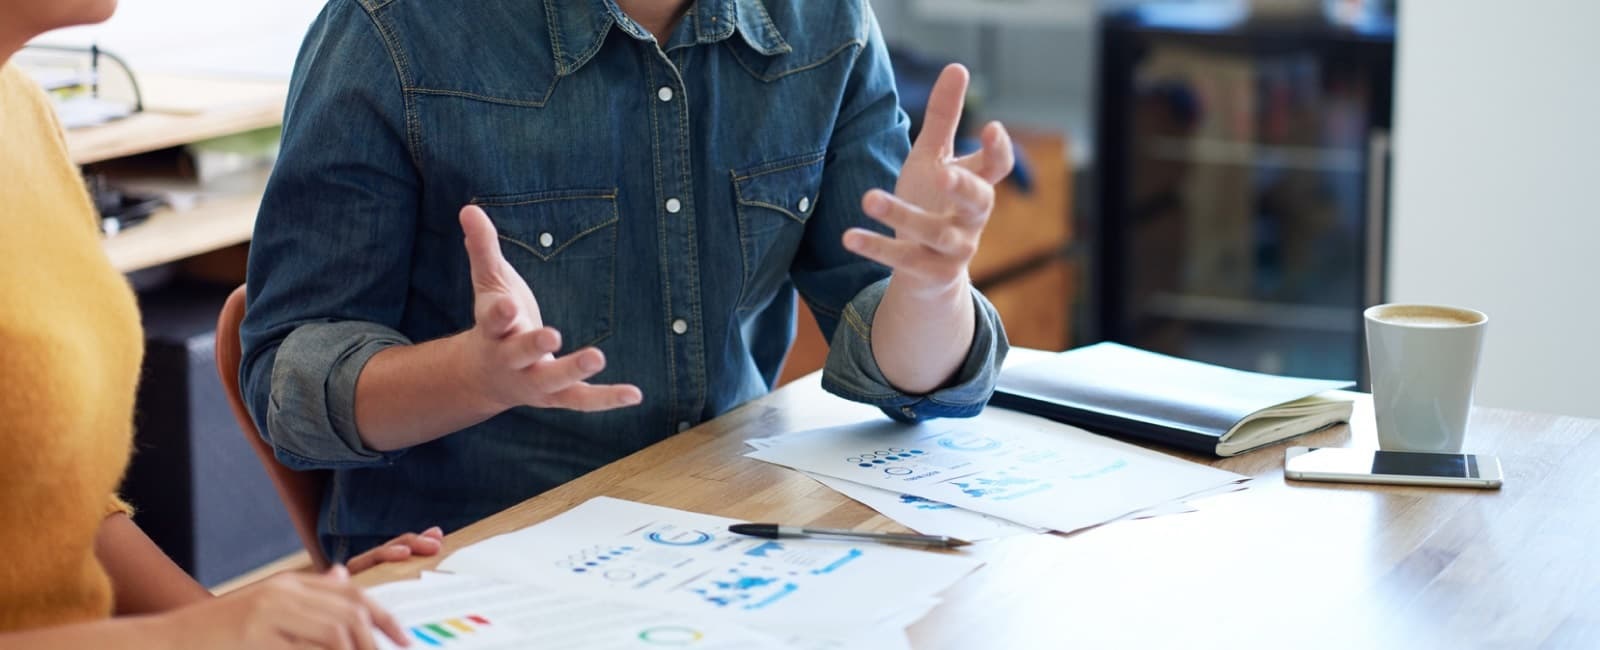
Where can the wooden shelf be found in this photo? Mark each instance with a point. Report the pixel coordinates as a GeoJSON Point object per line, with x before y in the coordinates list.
{"type": "Point", "coordinates": [180, 111]}
{"type": "Point", "coordinates": [170, 235]}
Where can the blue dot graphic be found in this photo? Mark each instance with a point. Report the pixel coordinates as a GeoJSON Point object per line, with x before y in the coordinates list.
{"type": "Point", "coordinates": [866, 465]}
{"type": "Point", "coordinates": [878, 462]}
{"type": "Point", "coordinates": [591, 564]}
{"type": "Point", "coordinates": [579, 570]}
{"type": "Point", "coordinates": [916, 451]}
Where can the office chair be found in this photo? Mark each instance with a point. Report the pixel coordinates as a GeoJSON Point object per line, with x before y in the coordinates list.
{"type": "Point", "coordinates": [301, 492]}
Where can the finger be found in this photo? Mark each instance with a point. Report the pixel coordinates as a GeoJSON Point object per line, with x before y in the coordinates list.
{"type": "Point", "coordinates": [423, 544]}
{"type": "Point", "coordinates": [356, 613]}
{"type": "Point", "coordinates": [360, 624]}
{"type": "Point", "coordinates": [904, 257]}
{"type": "Point", "coordinates": [525, 349]}
{"type": "Point", "coordinates": [944, 111]}
{"type": "Point", "coordinates": [434, 532]}
{"type": "Point", "coordinates": [316, 619]}
{"type": "Point", "coordinates": [972, 196]}
{"type": "Point", "coordinates": [913, 223]}
{"type": "Point", "coordinates": [391, 552]}
{"type": "Point", "coordinates": [556, 375]}
{"type": "Point", "coordinates": [591, 398]}
{"type": "Point", "coordinates": [996, 159]}
{"type": "Point", "coordinates": [483, 246]}
{"type": "Point", "coordinates": [497, 315]}
{"type": "Point", "coordinates": [384, 621]}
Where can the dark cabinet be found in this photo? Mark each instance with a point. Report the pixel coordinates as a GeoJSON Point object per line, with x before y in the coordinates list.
{"type": "Point", "coordinates": [1241, 184]}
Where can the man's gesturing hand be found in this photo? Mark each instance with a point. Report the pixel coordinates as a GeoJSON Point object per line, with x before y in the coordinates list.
{"type": "Point", "coordinates": [513, 353]}
{"type": "Point", "coordinates": [941, 203]}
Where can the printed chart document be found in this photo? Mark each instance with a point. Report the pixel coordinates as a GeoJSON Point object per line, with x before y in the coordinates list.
{"type": "Point", "coordinates": [679, 561]}
{"type": "Point", "coordinates": [914, 512]}
{"type": "Point", "coordinates": [468, 613]}
{"type": "Point", "coordinates": [1018, 467]}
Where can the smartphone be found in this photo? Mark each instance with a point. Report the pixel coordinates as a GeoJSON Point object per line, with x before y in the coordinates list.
{"type": "Point", "coordinates": [1400, 467]}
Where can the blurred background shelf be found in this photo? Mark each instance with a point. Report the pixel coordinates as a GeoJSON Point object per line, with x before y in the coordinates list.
{"type": "Point", "coordinates": [179, 111]}
{"type": "Point", "coordinates": [218, 220]}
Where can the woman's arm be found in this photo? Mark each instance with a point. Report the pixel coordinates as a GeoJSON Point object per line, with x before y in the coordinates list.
{"type": "Point", "coordinates": [290, 610]}
{"type": "Point", "coordinates": [134, 633]}
{"type": "Point", "coordinates": [145, 580]}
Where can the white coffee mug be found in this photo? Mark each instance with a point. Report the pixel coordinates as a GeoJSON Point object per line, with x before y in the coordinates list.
{"type": "Point", "coordinates": [1424, 361]}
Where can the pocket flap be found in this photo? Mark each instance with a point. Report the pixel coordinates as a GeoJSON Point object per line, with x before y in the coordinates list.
{"type": "Point", "coordinates": [547, 223]}
{"type": "Point", "coordinates": [787, 186]}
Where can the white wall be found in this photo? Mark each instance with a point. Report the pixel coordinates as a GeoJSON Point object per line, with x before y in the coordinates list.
{"type": "Point", "coordinates": [1035, 67]}
{"type": "Point", "coordinates": [228, 37]}
{"type": "Point", "coordinates": [1496, 200]}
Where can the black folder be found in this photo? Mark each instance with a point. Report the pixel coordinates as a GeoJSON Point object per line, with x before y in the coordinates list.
{"type": "Point", "coordinates": [1123, 391]}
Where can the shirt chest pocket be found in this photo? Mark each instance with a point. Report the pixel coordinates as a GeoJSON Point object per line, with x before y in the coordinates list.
{"type": "Point", "coordinates": [564, 243]}
{"type": "Point", "coordinates": [775, 200]}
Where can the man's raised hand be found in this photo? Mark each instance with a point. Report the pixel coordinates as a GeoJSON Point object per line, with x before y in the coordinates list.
{"type": "Point", "coordinates": [513, 354]}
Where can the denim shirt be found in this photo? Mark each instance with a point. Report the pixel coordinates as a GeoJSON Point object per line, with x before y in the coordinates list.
{"type": "Point", "coordinates": [664, 204]}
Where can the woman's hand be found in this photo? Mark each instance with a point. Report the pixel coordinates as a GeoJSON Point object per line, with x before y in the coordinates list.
{"type": "Point", "coordinates": [428, 543]}
{"type": "Point", "coordinates": [288, 611]}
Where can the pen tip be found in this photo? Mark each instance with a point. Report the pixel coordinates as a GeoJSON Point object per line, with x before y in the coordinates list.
{"type": "Point", "coordinates": [958, 543]}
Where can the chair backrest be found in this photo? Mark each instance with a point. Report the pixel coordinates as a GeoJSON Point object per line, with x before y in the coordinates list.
{"type": "Point", "coordinates": [301, 492]}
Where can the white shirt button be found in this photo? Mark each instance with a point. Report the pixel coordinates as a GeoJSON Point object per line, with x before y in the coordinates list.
{"type": "Point", "coordinates": [683, 426]}
{"type": "Point", "coordinates": [680, 326]}
{"type": "Point", "coordinates": [547, 240]}
{"type": "Point", "coordinates": [674, 205]}
{"type": "Point", "coordinates": [805, 203]}
{"type": "Point", "coordinates": [665, 94]}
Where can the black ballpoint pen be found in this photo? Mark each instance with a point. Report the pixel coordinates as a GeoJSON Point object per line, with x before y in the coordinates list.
{"type": "Point", "coordinates": [775, 531]}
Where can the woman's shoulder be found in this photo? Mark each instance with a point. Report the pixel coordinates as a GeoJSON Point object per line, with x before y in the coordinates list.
{"type": "Point", "coordinates": [24, 108]}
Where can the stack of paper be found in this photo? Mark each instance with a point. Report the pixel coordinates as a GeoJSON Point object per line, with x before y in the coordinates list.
{"type": "Point", "coordinates": [997, 474]}
{"type": "Point", "coordinates": [804, 593]}
{"type": "Point", "coordinates": [442, 610]}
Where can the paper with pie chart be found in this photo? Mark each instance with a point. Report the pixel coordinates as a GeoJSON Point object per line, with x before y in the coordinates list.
{"type": "Point", "coordinates": [448, 612]}
{"type": "Point", "coordinates": [1010, 465]}
{"type": "Point", "coordinates": [689, 562]}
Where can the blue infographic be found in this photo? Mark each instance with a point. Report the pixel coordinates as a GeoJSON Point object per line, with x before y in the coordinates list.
{"type": "Point", "coordinates": [1008, 465]}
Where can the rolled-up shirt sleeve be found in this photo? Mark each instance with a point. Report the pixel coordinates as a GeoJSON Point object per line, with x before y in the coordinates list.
{"type": "Point", "coordinates": [842, 289]}
{"type": "Point", "coordinates": [330, 261]}
{"type": "Point", "coordinates": [312, 414]}
{"type": "Point", "coordinates": [852, 371]}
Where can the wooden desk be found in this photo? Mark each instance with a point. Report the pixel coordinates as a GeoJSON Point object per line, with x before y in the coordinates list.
{"type": "Point", "coordinates": [1278, 565]}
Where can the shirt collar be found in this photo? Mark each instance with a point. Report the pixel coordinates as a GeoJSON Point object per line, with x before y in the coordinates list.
{"type": "Point", "coordinates": [578, 27]}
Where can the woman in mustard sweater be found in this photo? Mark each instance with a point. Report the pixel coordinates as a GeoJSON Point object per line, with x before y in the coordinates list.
{"type": "Point", "coordinates": [78, 572]}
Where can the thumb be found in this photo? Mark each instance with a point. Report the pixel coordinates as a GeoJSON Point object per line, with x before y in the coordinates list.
{"type": "Point", "coordinates": [483, 247]}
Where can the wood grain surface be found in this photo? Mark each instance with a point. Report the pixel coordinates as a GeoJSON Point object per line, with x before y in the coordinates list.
{"type": "Point", "coordinates": [1281, 564]}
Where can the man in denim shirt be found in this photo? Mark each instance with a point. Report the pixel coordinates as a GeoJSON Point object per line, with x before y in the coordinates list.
{"type": "Point", "coordinates": [661, 175]}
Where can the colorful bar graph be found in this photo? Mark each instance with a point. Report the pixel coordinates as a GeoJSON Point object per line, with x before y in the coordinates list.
{"type": "Point", "coordinates": [439, 633]}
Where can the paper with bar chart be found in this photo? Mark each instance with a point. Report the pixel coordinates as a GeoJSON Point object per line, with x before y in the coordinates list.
{"type": "Point", "coordinates": [922, 515]}
{"type": "Point", "coordinates": [447, 612]}
{"type": "Point", "coordinates": [689, 562]}
{"type": "Point", "coordinates": [1018, 467]}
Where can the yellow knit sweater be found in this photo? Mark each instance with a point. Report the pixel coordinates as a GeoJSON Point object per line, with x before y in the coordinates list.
{"type": "Point", "coordinates": [70, 348]}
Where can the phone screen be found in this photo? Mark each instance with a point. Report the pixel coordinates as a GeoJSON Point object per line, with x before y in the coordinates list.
{"type": "Point", "coordinates": [1394, 463]}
